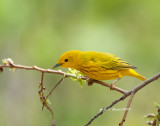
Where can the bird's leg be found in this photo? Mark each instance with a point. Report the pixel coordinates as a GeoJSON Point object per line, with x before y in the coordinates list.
{"type": "Point", "coordinates": [90, 81]}
{"type": "Point", "coordinates": [112, 84]}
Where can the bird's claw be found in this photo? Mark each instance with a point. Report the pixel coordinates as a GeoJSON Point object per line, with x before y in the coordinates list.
{"type": "Point", "coordinates": [90, 82]}
{"type": "Point", "coordinates": [112, 86]}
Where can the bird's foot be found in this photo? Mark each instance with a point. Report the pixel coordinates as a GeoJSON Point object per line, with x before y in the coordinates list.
{"type": "Point", "coordinates": [90, 82]}
{"type": "Point", "coordinates": [112, 86]}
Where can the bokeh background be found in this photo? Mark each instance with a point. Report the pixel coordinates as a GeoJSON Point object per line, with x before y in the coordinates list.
{"type": "Point", "coordinates": [37, 32]}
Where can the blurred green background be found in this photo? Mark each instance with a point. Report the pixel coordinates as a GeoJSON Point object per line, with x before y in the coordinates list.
{"type": "Point", "coordinates": [37, 32]}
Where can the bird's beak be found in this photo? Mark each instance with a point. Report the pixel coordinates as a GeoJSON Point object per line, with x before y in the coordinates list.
{"type": "Point", "coordinates": [57, 65]}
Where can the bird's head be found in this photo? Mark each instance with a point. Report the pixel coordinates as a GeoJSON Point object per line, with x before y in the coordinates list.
{"type": "Point", "coordinates": [68, 59]}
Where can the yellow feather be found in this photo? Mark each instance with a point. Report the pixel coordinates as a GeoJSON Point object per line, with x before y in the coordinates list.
{"type": "Point", "coordinates": [97, 65]}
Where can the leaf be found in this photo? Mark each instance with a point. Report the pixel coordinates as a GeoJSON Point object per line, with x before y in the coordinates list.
{"type": "Point", "coordinates": [4, 61]}
{"type": "Point", "coordinates": [40, 94]}
{"type": "Point", "coordinates": [80, 81]}
{"type": "Point", "coordinates": [153, 119]}
{"type": "Point", "coordinates": [48, 102]}
{"type": "Point", "coordinates": [157, 104]}
{"type": "Point", "coordinates": [7, 61]}
{"type": "Point", "coordinates": [39, 86]}
{"type": "Point", "coordinates": [74, 79]}
{"type": "Point", "coordinates": [13, 69]}
{"type": "Point", "coordinates": [77, 74]}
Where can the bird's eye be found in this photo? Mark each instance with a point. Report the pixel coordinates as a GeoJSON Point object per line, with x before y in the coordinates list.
{"type": "Point", "coordinates": [66, 60]}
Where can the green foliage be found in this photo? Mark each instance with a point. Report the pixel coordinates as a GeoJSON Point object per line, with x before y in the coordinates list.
{"type": "Point", "coordinates": [48, 102]}
{"type": "Point", "coordinates": [8, 61]}
{"type": "Point", "coordinates": [153, 119]}
{"type": "Point", "coordinates": [77, 76]}
{"type": "Point", "coordinates": [13, 69]}
{"type": "Point", "coordinates": [42, 98]}
{"type": "Point", "coordinates": [39, 86]}
{"type": "Point", "coordinates": [157, 104]}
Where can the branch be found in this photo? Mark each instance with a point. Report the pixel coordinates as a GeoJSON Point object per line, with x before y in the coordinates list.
{"type": "Point", "coordinates": [8, 63]}
{"type": "Point", "coordinates": [54, 88]}
{"type": "Point", "coordinates": [44, 99]}
{"type": "Point", "coordinates": [12, 65]}
{"type": "Point", "coordinates": [132, 91]}
{"type": "Point", "coordinates": [107, 85]}
{"type": "Point", "coordinates": [127, 109]}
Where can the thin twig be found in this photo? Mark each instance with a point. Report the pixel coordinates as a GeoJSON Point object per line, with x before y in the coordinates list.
{"type": "Point", "coordinates": [104, 109]}
{"type": "Point", "coordinates": [54, 88]}
{"type": "Point", "coordinates": [134, 90]}
{"type": "Point", "coordinates": [51, 111]}
{"type": "Point", "coordinates": [127, 109]}
{"type": "Point", "coordinates": [108, 85]}
{"type": "Point", "coordinates": [12, 65]}
{"type": "Point", "coordinates": [41, 92]}
{"type": "Point", "coordinates": [43, 98]}
{"type": "Point", "coordinates": [126, 94]}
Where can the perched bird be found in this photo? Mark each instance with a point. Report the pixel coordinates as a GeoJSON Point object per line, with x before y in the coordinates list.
{"type": "Point", "coordinates": [98, 65]}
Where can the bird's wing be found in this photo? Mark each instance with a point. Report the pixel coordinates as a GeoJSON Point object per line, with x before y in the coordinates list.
{"type": "Point", "coordinates": [112, 62]}
{"type": "Point", "coordinates": [103, 60]}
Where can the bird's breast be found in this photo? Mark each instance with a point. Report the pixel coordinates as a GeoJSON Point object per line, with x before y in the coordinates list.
{"type": "Point", "coordinates": [99, 73]}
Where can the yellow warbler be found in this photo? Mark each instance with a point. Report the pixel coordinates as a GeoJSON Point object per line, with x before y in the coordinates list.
{"type": "Point", "coordinates": [97, 65]}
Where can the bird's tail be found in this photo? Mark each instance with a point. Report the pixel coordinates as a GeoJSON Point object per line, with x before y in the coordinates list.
{"type": "Point", "coordinates": [141, 77]}
{"type": "Point", "coordinates": [135, 74]}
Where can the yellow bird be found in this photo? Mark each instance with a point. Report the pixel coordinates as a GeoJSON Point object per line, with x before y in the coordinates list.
{"type": "Point", "coordinates": [98, 65]}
